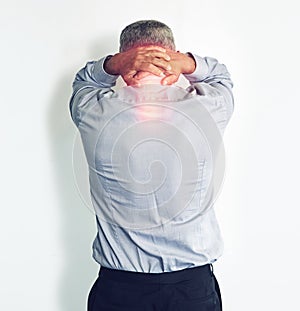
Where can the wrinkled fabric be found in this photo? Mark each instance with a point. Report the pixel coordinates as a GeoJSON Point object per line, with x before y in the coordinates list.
{"type": "Point", "coordinates": [151, 167]}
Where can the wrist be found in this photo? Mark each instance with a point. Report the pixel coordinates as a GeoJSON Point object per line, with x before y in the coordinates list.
{"type": "Point", "coordinates": [109, 65]}
{"type": "Point", "coordinates": [190, 64]}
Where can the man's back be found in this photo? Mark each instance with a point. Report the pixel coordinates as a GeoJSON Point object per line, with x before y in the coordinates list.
{"type": "Point", "coordinates": [150, 168]}
{"type": "Point", "coordinates": [155, 166]}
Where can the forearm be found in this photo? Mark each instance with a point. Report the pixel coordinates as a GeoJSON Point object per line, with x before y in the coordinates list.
{"type": "Point", "coordinates": [91, 77]}
{"type": "Point", "coordinates": [212, 79]}
{"type": "Point", "coordinates": [94, 75]}
{"type": "Point", "coordinates": [210, 71]}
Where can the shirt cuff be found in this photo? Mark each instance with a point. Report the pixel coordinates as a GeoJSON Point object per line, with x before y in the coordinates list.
{"type": "Point", "coordinates": [201, 70]}
{"type": "Point", "coordinates": [101, 75]}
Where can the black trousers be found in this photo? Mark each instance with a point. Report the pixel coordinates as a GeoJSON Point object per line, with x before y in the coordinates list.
{"type": "Point", "coordinates": [191, 289]}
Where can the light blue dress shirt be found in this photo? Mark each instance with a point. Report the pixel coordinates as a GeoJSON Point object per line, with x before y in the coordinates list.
{"type": "Point", "coordinates": [151, 166]}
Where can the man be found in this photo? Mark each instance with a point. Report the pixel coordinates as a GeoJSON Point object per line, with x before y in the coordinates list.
{"type": "Point", "coordinates": [149, 171]}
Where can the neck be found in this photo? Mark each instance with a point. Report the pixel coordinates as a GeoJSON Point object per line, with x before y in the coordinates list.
{"type": "Point", "coordinates": [151, 79]}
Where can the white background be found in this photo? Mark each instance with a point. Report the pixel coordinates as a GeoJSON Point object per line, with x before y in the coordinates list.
{"type": "Point", "coordinates": [46, 229]}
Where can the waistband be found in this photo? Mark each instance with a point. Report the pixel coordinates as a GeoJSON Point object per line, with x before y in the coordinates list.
{"type": "Point", "coordinates": [163, 277]}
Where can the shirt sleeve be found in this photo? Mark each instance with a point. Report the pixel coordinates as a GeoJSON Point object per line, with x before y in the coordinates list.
{"type": "Point", "coordinates": [89, 81]}
{"type": "Point", "coordinates": [212, 80]}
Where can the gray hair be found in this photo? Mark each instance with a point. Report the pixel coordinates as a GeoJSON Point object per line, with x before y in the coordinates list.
{"type": "Point", "coordinates": [146, 32]}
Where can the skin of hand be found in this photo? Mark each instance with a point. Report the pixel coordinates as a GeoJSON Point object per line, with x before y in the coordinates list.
{"type": "Point", "coordinates": [150, 59]}
{"type": "Point", "coordinates": [140, 62]}
{"type": "Point", "coordinates": [181, 63]}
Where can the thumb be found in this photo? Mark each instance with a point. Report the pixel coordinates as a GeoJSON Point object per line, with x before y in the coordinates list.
{"type": "Point", "coordinates": [141, 75]}
{"type": "Point", "coordinates": [131, 81]}
{"type": "Point", "coordinates": [169, 80]}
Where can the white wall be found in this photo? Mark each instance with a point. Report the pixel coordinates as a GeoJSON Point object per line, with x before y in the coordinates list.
{"type": "Point", "coordinates": [46, 229]}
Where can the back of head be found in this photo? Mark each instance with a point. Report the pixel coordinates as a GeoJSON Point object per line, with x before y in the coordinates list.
{"type": "Point", "coordinates": [145, 33]}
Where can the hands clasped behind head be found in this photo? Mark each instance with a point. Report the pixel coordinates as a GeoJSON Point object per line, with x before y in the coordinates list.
{"type": "Point", "coordinates": [139, 62]}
